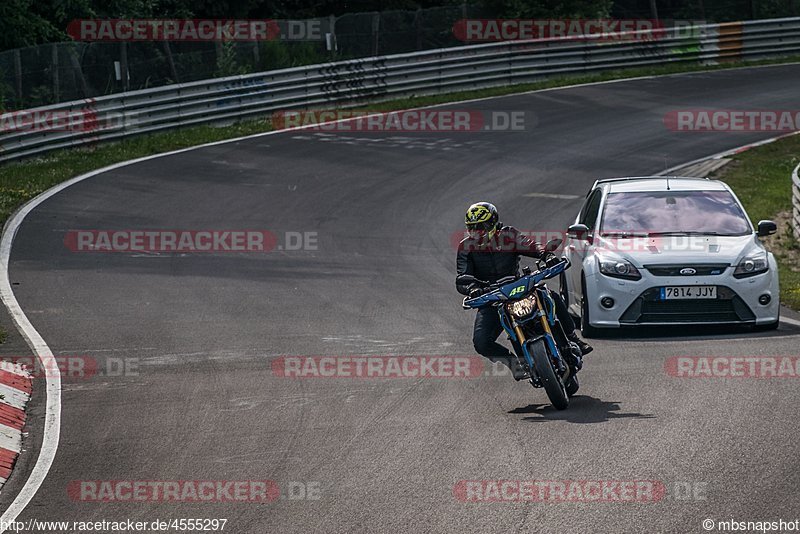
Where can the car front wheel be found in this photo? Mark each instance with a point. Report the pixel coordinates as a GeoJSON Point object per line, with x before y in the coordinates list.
{"type": "Point", "coordinates": [587, 329]}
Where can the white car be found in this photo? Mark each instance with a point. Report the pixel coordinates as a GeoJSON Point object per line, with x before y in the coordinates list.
{"type": "Point", "coordinates": [657, 251]}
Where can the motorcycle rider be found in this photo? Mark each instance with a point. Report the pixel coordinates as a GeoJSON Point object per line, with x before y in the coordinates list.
{"type": "Point", "coordinates": [490, 252]}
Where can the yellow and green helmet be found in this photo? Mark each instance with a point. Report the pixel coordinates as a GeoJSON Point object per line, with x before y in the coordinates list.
{"type": "Point", "coordinates": [481, 216]}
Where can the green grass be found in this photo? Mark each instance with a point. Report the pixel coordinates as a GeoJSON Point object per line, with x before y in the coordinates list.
{"type": "Point", "coordinates": [761, 178]}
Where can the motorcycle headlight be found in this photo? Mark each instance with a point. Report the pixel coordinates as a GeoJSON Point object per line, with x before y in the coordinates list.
{"type": "Point", "coordinates": [617, 267]}
{"type": "Point", "coordinates": [752, 265]}
{"type": "Point", "coordinates": [522, 307]}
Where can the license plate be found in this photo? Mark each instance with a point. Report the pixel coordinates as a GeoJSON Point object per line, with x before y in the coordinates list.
{"type": "Point", "coordinates": [688, 292]}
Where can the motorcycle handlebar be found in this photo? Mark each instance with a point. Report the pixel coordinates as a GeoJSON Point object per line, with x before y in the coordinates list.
{"type": "Point", "coordinates": [496, 285]}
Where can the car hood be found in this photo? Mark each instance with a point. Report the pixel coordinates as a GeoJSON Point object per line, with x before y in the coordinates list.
{"type": "Point", "coordinates": [680, 249]}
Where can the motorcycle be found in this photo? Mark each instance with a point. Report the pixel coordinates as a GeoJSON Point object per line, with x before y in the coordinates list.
{"type": "Point", "coordinates": [527, 313]}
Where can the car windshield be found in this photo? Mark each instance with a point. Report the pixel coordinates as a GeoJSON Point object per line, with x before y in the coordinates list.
{"type": "Point", "coordinates": [673, 212]}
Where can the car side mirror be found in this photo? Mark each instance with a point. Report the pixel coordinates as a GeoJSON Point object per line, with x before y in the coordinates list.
{"type": "Point", "coordinates": [766, 228]}
{"type": "Point", "coordinates": [578, 231]}
{"type": "Point", "coordinates": [553, 244]}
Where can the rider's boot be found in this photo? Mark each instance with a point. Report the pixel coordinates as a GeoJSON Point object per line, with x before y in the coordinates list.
{"type": "Point", "coordinates": [575, 356]}
{"type": "Point", "coordinates": [522, 375]}
{"type": "Point", "coordinates": [518, 370]}
{"type": "Point", "coordinates": [585, 347]}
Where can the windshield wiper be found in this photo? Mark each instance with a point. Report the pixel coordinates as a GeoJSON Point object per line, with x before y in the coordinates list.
{"type": "Point", "coordinates": [695, 233]}
{"type": "Point", "coordinates": [625, 234]}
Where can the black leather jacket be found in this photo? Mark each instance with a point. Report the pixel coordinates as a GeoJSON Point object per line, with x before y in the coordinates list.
{"type": "Point", "coordinates": [494, 260]}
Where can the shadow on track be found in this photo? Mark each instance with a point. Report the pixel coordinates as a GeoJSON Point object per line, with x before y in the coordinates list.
{"type": "Point", "coordinates": [690, 333]}
{"type": "Point", "coordinates": [582, 409]}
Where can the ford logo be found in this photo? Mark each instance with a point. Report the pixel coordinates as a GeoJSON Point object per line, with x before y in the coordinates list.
{"type": "Point", "coordinates": [688, 271]}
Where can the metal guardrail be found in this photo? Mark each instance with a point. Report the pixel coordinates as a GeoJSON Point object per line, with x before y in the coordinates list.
{"type": "Point", "coordinates": [352, 82]}
{"type": "Point", "coordinates": [796, 202]}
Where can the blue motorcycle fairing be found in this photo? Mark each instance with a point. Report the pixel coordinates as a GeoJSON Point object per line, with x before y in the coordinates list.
{"type": "Point", "coordinates": [512, 291]}
{"type": "Point", "coordinates": [516, 290]}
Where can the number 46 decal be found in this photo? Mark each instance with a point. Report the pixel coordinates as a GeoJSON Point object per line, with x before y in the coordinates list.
{"type": "Point", "coordinates": [518, 289]}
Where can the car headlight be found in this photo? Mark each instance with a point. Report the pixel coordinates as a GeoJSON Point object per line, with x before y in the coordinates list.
{"type": "Point", "coordinates": [617, 267]}
{"type": "Point", "coordinates": [522, 307]}
{"type": "Point", "coordinates": [752, 265]}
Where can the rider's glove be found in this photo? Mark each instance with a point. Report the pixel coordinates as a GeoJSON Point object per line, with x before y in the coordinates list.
{"type": "Point", "coordinates": [550, 260]}
{"type": "Point", "coordinates": [476, 292]}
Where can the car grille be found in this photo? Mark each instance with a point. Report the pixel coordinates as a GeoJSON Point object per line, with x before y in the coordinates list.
{"type": "Point", "coordinates": [728, 307]}
{"type": "Point", "coordinates": [701, 269]}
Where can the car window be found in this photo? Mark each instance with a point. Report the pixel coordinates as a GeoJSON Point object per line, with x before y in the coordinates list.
{"type": "Point", "coordinates": [590, 211]}
{"type": "Point", "coordinates": [664, 212]}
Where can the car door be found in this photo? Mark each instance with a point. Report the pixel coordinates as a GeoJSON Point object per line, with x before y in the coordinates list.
{"type": "Point", "coordinates": [578, 249]}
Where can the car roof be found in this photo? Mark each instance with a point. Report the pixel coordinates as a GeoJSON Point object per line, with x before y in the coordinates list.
{"type": "Point", "coordinates": [659, 183]}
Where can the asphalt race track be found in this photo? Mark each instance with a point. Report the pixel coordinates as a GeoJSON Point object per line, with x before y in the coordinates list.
{"type": "Point", "coordinates": [200, 332]}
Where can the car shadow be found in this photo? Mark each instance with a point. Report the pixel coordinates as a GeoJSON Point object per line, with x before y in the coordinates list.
{"type": "Point", "coordinates": [582, 409]}
{"type": "Point", "coordinates": [643, 333]}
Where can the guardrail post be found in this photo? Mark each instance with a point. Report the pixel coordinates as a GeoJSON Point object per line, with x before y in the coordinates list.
{"type": "Point", "coordinates": [78, 71]}
{"type": "Point", "coordinates": [171, 62]}
{"type": "Point", "coordinates": [54, 67]}
{"type": "Point", "coordinates": [796, 202]}
{"type": "Point", "coordinates": [653, 10]}
{"type": "Point", "coordinates": [333, 46]}
{"type": "Point", "coordinates": [376, 35]}
{"type": "Point", "coordinates": [18, 76]}
{"type": "Point", "coordinates": [418, 27]}
{"type": "Point", "coordinates": [123, 64]}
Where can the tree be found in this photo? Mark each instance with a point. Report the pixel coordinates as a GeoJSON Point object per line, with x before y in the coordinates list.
{"type": "Point", "coordinates": [565, 9]}
{"type": "Point", "coordinates": [21, 26]}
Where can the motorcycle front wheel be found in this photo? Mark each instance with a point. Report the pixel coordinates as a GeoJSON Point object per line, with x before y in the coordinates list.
{"type": "Point", "coordinates": [550, 380]}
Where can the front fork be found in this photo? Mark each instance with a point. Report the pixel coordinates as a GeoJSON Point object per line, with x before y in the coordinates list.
{"type": "Point", "coordinates": [544, 316]}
